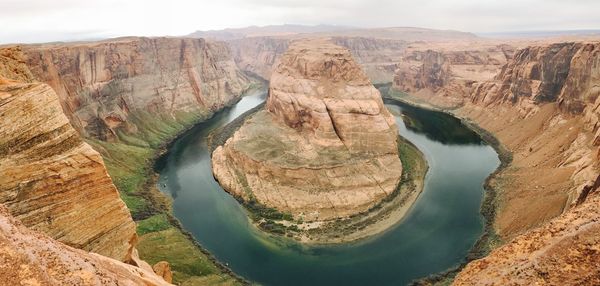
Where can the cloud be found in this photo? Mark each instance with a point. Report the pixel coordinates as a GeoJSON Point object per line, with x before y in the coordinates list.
{"type": "Point", "coordinates": [42, 20]}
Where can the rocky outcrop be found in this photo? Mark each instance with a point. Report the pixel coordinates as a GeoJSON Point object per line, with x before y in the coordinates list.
{"type": "Point", "coordinates": [324, 148]}
{"type": "Point", "coordinates": [259, 54]}
{"type": "Point", "coordinates": [564, 251]}
{"type": "Point", "coordinates": [543, 107]}
{"type": "Point", "coordinates": [51, 180]}
{"type": "Point", "coordinates": [433, 72]}
{"type": "Point", "coordinates": [30, 258]}
{"type": "Point", "coordinates": [377, 57]}
{"type": "Point", "coordinates": [103, 85]}
{"type": "Point", "coordinates": [163, 269]}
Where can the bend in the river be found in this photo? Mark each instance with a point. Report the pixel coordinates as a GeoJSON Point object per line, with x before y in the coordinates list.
{"type": "Point", "coordinates": [437, 234]}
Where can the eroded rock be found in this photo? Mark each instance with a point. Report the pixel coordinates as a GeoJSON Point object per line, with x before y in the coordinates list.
{"type": "Point", "coordinates": [324, 148]}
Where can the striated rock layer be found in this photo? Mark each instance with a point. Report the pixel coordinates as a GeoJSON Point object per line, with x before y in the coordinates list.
{"type": "Point", "coordinates": [544, 107]}
{"type": "Point", "coordinates": [324, 148]}
{"type": "Point", "coordinates": [564, 251]}
{"type": "Point", "coordinates": [102, 85]}
{"type": "Point", "coordinates": [51, 180]}
{"type": "Point", "coordinates": [30, 258]}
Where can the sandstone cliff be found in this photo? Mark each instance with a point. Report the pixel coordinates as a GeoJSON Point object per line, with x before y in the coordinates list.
{"type": "Point", "coordinates": [52, 180]}
{"type": "Point", "coordinates": [543, 107]}
{"type": "Point", "coordinates": [563, 251]}
{"type": "Point", "coordinates": [55, 183]}
{"type": "Point", "coordinates": [377, 57]}
{"type": "Point", "coordinates": [103, 86]}
{"type": "Point", "coordinates": [325, 147]}
{"type": "Point", "coordinates": [30, 258]}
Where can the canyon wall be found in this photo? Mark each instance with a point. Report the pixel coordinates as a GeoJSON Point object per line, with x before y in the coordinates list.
{"type": "Point", "coordinates": [51, 180]}
{"type": "Point", "coordinates": [103, 85]}
{"type": "Point", "coordinates": [543, 106]}
{"type": "Point", "coordinates": [377, 57]}
{"type": "Point", "coordinates": [54, 183]}
{"type": "Point", "coordinates": [324, 148]}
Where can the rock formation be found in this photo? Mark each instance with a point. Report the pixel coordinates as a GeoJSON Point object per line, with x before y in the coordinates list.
{"type": "Point", "coordinates": [53, 181]}
{"type": "Point", "coordinates": [102, 85]}
{"type": "Point", "coordinates": [543, 106]}
{"type": "Point", "coordinates": [377, 57]}
{"type": "Point", "coordinates": [324, 148]}
{"type": "Point", "coordinates": [563, 251]}
{"type": "Point", "coordinates": [31, 258]}
{"type": "Point", "coordinates": [433, 73]}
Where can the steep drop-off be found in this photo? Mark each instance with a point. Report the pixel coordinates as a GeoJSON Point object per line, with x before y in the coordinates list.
{"type": "Point", "coordinates": [53, 181]}
{"type": "Point", "coordinates": [102, 85]}
{"type": "Point", "coordinates": [32, 258]}
{"type": "Point", "coordinates": [324, 148]}
{"type": "Point", "coordinates": [563, 251]}
{"type": "Point", "coordinates": [543, 106]}
{"type": "Point", "coordinates": [127, 98]}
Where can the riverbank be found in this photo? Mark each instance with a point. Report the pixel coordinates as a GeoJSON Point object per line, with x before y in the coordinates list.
{"type": "Point", "coordinates": [489, 239]}
{"type": "Point", "coordinates": [131, 164]}
{"type": "Point", "coordinates": [376, 220]}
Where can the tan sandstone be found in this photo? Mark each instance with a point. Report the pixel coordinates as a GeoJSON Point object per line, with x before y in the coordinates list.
{"type": "Point", "coordinates": [30, 258]}
{"type": "Point", "coordinates": [324, 148]}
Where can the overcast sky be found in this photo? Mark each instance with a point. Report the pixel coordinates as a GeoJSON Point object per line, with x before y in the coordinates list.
{"type": "Point", "coordinates": [51, 20]}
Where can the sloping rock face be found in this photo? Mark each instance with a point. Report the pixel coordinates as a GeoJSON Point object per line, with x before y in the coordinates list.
{"type": "Point", "coordinates": [31, 258]}
{"type": "Point", "coordinates": [51, 180]}
{"type": "Point", "coordinates": [564, 251]}
{"type": "Point", "coordinates": [325, 147]}
{"type": "Point", "coordinates": [102, 84]}
{"type": "Point", "coordinates": [543, 107]}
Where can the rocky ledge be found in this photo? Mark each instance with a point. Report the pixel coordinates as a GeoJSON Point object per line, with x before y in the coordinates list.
{"type": "Point", "coordinates": [324, 148]}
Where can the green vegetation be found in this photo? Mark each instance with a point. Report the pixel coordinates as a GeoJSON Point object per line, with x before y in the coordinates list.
{"type": "Point", "coordinates": [187, 262]}
{"type": "Point", "coordinates": [129, 161]}
{"type": "Point", "coordinates": [153, 224]}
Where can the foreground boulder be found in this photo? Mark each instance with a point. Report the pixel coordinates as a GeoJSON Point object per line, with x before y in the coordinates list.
{"type": "Point", "coordinates": [324, 148]}
{"type": "Point", "coordinates": [28, 257]}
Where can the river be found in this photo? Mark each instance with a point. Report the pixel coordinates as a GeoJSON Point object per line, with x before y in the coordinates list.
{"type": "Point", "coordinates": [435, 235]}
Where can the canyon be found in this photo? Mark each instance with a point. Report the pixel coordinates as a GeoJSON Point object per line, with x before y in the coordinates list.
{"type": "Point", "coordinates": [54, 183]}
{"type": "Point", "coordinates": [543, 108]}
{"type": "Point", "coordinates": [324, 148]}
{"type": "Point", "coordinates": [81, 124]}
{"type": "Point", "coordinates": [106, 92]}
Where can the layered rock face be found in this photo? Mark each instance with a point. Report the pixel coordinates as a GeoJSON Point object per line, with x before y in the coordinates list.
{"type": "Point", "coordinates": [446, 77]}
{"type": "Point", "coordinates": [543, 107]}
{"type": "Point", "coordinates": [563, 251]}
{"type": "Point", "coordinates": [51, 180]}
{"type": "Point", "coordinates": [433, 73]}
{"type": "Point", "coordinates": [377, 57]}
{"type": "Point", "coordinates": [31, 258]}
{"type": "Point", "coordinates": [325, 147]}
{"type": "Point", "coordinates": [102, 85]}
